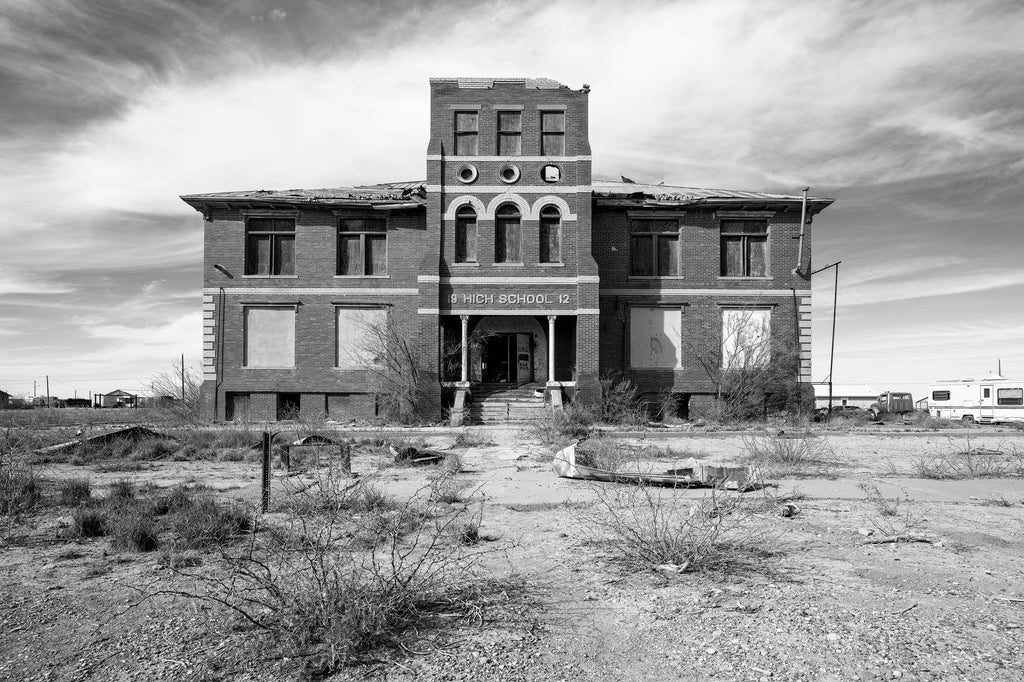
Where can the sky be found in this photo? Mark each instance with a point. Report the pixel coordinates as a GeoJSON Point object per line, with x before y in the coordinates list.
{"type": "Point", "coordinates": [909, 114]}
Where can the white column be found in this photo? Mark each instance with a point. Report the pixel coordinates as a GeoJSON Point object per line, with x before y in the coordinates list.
{"type": "Point", "coordinates": [465, 349]}
{"type": "Point", "coordinates": [551, 348]}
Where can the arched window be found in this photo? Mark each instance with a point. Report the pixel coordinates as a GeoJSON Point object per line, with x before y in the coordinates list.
{"type": "Point", "coordinates": [550, 235]}
{"type": "Point", "coordinates": [507, 235]}
{"type": "Point", "coordinates": [465, 235]}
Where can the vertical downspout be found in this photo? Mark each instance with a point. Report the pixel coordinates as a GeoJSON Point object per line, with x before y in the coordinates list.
{"type": "Point", "coordinates": [803, 223]}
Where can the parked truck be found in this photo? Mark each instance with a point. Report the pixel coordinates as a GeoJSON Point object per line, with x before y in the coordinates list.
{"type": "Point", "coordinates": [891, 402]}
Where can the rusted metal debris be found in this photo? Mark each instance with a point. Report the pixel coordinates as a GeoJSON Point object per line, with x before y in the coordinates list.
{"type": "Point", "coordinates": [416, 458]}
{"type": "Point", "coordinates": [134, 433]}
{"type": "Point", "coordinates": [695, 474]}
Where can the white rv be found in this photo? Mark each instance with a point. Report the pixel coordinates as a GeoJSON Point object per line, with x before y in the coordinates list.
{"type": "Point", "coordinates": [983, 401]}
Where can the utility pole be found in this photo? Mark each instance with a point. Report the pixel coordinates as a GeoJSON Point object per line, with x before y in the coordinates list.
{"type": "Point", "coordinates": [33, 389]}
{"type": "Point", "coordinates": [47, 390]}
{"type": "Point", "coordinates": [832, 350]}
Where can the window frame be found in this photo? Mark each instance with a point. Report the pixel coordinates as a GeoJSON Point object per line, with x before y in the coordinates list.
{"type": "Point", "coordinates": [355, 364]}
{"type": "Point", "coordinates": [251, 268]}
{"type": "Point", "coordinates": [512, 134]}
{"type": "Point", "coordinates": [677, 235]}
{"type": "Point", "coordinates": [466, 217]}
{"type": "Point", "coordinates": [363, 235]}
{"type": "Point", "coordinates": [745, 239]}
{"type": "Point", "coordinates": [765, 359]}
{"type": "Point", "coordinates": [246, 335]}
{"type": "Point", "coordinates": [553, 214]}
{"type": "Point", "coordinates": [504, 222]}
{"type": "Point", "coordinates": [1015, 396]}
{"type": "Point", "coordinates": [674, 310]}
{"type": "Point", "coordinates": [466, 133]}
{"type": "Point", "coordinates": [553, 133]}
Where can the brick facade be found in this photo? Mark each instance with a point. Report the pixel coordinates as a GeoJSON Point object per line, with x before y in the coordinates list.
{"type": "Point", "coordinates": [587, 293]}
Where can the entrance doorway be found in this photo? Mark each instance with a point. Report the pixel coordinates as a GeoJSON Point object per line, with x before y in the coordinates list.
{"type": "Point", "coordinates": [506, 359]}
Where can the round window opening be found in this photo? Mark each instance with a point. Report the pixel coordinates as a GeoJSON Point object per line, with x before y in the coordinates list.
{"type": "Point", "coordinates": [551, 173]}
{"type": "Point", "coordinates": [508, 173]}
{"type": "Point", "coordinates": [466, 173]}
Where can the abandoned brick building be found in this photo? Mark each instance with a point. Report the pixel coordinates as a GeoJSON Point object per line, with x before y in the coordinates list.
{"type": "Point", "coordinates": [519, 277]}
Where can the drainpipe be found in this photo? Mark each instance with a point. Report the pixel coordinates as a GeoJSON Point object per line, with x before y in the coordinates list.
{"type": "Point", "coordinates": [803, 223]}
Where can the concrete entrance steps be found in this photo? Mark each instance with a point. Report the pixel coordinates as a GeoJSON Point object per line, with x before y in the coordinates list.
{"type": "Point", "coordinates": [499, 403]}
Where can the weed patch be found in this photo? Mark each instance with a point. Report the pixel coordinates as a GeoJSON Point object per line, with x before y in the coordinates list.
{"type": "Point", "coordinates": [20, 490]}
{"type": "Point", "coordinates": [800, 455]}
{"type": "Point", "coordinates": [75, 491]}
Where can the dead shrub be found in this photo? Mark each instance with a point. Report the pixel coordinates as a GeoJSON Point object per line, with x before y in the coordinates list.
{"type": "Point", "coordinates": [563, 426]}
{"type": "Point", "coordinates": [122, 489]}
{"type": "Point", "coordinates": [75, 491]}
{"type": "Point", "coordinates": [897, 517]}
{"type": "Point", "coordinates": [883, 505]}
{"type": "Point", "coordinates": [207, 523]}
{"type": "Point", "coordinates": [798, 455]}
{"type": "Point", "coordinates": [88, 521]}
{"type": "Point", "coordinates": [131, 527]}
{"type": "Point", "coordinates": [20, 490]}
{"type": "Point", "coordinates": [968, 461]}
{"type": "Point", "coordinates": [313, 591]}
{"type": "Point", "coordinates": [446, 489]}
{"type": "Point", "coordinates": [649, 528]}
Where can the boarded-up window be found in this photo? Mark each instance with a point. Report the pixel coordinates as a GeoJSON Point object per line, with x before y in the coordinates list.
{"type": "Point", "coordinates": [467, 126]}
{"type": "Point", "coordinates": [507, 237]}
{"type": "Point", "coordinates": [550, 235]}
{"type": "Point", "coordinates": [746, 337]}
{"type": "Point", "coordinates": [510, 133]}
{"type": "Point", "coordinates": [465, 235]}
{"type": "Point", "coordinates": [654, 248]}
{"type": "Point", "coordinates": [361, 336]}
{"type": "Point", "coordinates": [654, 338]}
{"type": "Point", "coordinates": [744, 249]}
{"type": "Point", "coordinates": [362, 246]}
{"type": "Point", "coordinates": [269, 337]}
{"type": "Point", "coordinates": [270, 246]}
{"type": "Point", "coordinates": [552, 133]}
{"type": "Point", "coordinates": [347, 406]}
{"type": "Point", "coordinates": [237, 408]}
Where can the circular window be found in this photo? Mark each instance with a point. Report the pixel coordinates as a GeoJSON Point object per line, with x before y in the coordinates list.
{"type": "Point", "coordinates": [508, 173]}
{"type": "Point", "coordinates": [551, 173]}
{"type": "Point", "coordinates": [466, 173]}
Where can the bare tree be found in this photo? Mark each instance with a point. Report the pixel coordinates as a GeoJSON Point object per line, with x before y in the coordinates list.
{"type": "Point", "coordinates": [750, 377]}
{"type": "Point", "coordinates": [390, 354]}
{"type": "Point", "coordinates": [183, 385]}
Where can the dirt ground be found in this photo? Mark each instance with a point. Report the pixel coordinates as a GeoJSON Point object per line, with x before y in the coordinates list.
{"type": "Point", "coordinates": [823, 605]}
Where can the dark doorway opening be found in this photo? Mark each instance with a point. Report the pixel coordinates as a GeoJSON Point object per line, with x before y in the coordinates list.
{"type": "Point", "coordinates": [506, 359]}
{"type": "Point", "coordinates": [287, 406]}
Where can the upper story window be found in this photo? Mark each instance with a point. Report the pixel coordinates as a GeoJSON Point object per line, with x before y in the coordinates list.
{"type": "Point", "coordinates": [654, 247]}
{"type": "Point", "coordinates": [550, 235]}
{"type": "Point", "coordinates": [270, 246]}
{"type": "Point", "coordinates": [362, 247]}
{"type": "Point", "coordinates": [744, 250]}
{"type": "Point", "coordinates": [507, 235]}
{"type": "Point", "coordinates": [465, 235]}
{"type": "Point", "coordinates": [552, 133]}
{"type": "Point", "coordinates": [510, 133]}
{"type": "Point", "coordinates": [467, 133]}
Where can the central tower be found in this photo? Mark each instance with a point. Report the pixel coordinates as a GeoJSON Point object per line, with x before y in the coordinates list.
{"type": "Point", "coordinates": [513, 288]}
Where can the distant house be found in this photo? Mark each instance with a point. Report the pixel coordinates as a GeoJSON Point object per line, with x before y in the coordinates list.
{"type": "Point", "coordinates": [116, 398]}
{"type": "Point", "coordinates": [845, 395]}
{"type": "Point", "coordinates": [5, 400]}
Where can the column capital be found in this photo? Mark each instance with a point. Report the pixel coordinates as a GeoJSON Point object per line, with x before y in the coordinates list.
{"type": "Point", "coordinates": [552, 318]}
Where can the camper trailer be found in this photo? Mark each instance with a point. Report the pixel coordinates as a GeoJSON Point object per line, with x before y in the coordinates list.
{"type": "Point", "coordinates": [982, 401]}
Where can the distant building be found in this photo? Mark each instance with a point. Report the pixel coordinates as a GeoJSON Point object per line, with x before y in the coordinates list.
{"type": "Point", "coordinates": [510, 267]}
{"type": "Point", "coordinates": [116, 398]}
{"type": "Point", "coordinates": [845, 395]}
{"type": "Point", "coordinates": [5, 400]}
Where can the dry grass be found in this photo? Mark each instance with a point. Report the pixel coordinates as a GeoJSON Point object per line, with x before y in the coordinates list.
{"type": "Point", "coordinates": [644, 528]}
{"type": "Point", "coordinates": [791, 456]}
{"type": "Point", "coordinates": [967, 461]}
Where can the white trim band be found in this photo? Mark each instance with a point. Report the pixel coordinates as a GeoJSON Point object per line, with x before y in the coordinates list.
{"type": "Point", "coordinates": [325, 291]}
{"type": "Point", "coordinates": [697, 292]}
